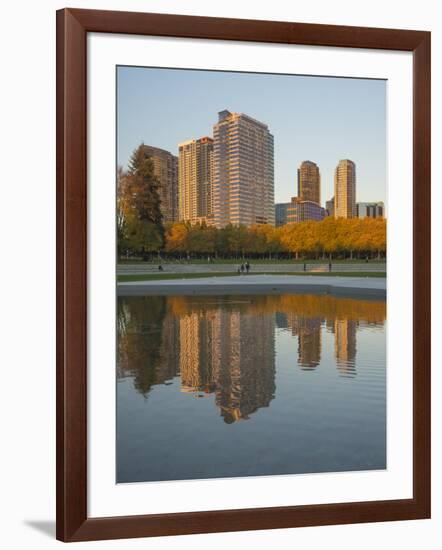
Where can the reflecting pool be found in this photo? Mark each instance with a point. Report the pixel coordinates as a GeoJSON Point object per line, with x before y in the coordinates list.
{"type": "Point", "coordinates": [225, 386]}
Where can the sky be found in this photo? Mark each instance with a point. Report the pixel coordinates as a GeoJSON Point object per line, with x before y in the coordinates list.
{"type": "Point", "coordinates": [322, 119]}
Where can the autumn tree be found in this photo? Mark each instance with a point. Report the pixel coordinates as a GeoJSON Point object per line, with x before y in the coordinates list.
{"type": "Point", "coordinates": [310, 239]}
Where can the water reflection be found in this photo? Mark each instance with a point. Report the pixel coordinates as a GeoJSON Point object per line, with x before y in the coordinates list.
{"type": "Point", "coordinates": [345, 346]}
{"type": "Point", "coordinates": [225, 346]}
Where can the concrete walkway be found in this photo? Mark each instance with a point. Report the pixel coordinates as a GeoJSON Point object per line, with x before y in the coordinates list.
{"type": "Point", "coordinates": [170, 267]}
{"type": "Point", "coordinates": [357, 287]}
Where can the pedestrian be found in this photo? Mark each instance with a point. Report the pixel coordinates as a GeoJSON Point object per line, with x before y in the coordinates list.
{"type": "Point", "coordinates": [160, 268]}
{"type": "Point", "coordinates": [242, 268]}
{"type": "Point", "coordinates": [247, 266]}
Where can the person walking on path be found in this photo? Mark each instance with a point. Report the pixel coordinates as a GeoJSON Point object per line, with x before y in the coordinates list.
{"type": "Point", "coordinates": [242, 268]}
{"type": "Point", "coordinates": [247, 267]}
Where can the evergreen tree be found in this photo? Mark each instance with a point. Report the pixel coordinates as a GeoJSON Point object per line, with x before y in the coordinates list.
{"type": "Point", "coordinates": [144, 186]}
{"type": "Point", "coordinates": [139, 205]}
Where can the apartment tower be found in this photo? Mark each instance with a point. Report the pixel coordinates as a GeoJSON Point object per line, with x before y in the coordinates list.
{"type": "Point", "coordinates": [195, 176]}
{"type": "Point", "coordinates": [309, 182]}
{"type": "Point", "coordinates": [166, 170]}
{"type": "Point", "coordinates": [243, 184]}
{"type": "Point", "coordinates": [345, 189]}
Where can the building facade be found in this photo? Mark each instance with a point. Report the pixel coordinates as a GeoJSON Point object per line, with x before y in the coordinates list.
{"type": "Point", "coordinates": [345, 189]}
{"type": "Point", "coordinates": [243, 184]}
{"type": "Point", "coordinates": [309, 182]}
{"type": "Point", "coordinates": [195, 178]}
{"type": "Point", "coordinates": [370, 209]}
{"type": "Point", "coordinates": [166, 170]}
{"type": "Point", "coordinates": [303, 211]}
{"type": "Point", "coordinates": [330, 207]}
{"type": "Point", "coordinates": [281, 213]}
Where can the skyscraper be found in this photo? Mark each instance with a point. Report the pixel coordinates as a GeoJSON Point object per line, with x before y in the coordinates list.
{"type": "Point", "coordinates": [243, 185]}
{"type": "Point", "coordinates": [195, 176]}
{"type": "Point", "coordinates": [345, 189]}
{"type": "Point", "coordinates": [309, 182]}
{"type": "Point", "coordinates": [166, 170]}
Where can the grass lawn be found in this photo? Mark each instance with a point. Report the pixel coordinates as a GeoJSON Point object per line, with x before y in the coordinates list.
{"type": "Point", "coordinates": [168, 276]}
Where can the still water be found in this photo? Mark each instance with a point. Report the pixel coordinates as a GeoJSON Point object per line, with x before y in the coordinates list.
{"type": "Point", "coordinates": [225, 386]}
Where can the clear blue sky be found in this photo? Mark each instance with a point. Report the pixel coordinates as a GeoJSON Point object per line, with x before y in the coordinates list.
{"type": "Point", "coordinates": [312, 118]}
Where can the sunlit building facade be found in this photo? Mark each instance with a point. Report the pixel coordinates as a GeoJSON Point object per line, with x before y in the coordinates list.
{"type": "Point", "coordinates": [345, 189]}
{"type": "Point", "coordinates": [243, 184]}
{"type": "Point", "coordinates": [309, 182]}
{"type": "Point", "coordinates": [195, 178]}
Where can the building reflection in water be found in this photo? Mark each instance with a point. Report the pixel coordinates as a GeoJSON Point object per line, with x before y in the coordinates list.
{"type": "Point", "coordinates": [345, 346]}
{"type": "Point", "coordinates": [230, 353]}
{"type": "Point", "coordinates": [225, 346]}
{"type": "Point", "coordinates": [308, 331]}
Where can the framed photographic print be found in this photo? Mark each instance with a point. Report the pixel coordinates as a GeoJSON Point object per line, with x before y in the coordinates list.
{"type": "Point", "coordinates": [243, 282]}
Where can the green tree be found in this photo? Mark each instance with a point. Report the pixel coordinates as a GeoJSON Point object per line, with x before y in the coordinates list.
{"type": "Point", "coordinates": [139, 219]}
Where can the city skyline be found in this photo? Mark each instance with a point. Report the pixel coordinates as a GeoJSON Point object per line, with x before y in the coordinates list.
{"type": "Point", "coordinates": [343, 98]}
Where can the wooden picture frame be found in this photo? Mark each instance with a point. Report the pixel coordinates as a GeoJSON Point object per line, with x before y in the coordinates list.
{"type": "Point", "coordinates": [73, 523]}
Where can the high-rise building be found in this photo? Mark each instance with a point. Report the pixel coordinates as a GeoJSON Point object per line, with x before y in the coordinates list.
{"type": "Point", "coordinates": [303, 211]}
{"type": "Point", "coordinates": [345, 189]}
{"type": "Point", "coordinates": [281, 213]}
{"type": "Point", "coordinates": [166, 170]}
{"type": "Point", "coordinates": [370, 209]}
{"type": "Point", "coordinates": [330, 207]}
{"type": "Point", "coordinates": [195, 177]}
{"type": "Point", "coordinates": [309, 182]}
{"type": "Point", "coordinates": [243, 185]}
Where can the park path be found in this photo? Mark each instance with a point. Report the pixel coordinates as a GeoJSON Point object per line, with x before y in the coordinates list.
{"type": "Point", "coordinates": [141, 268]}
